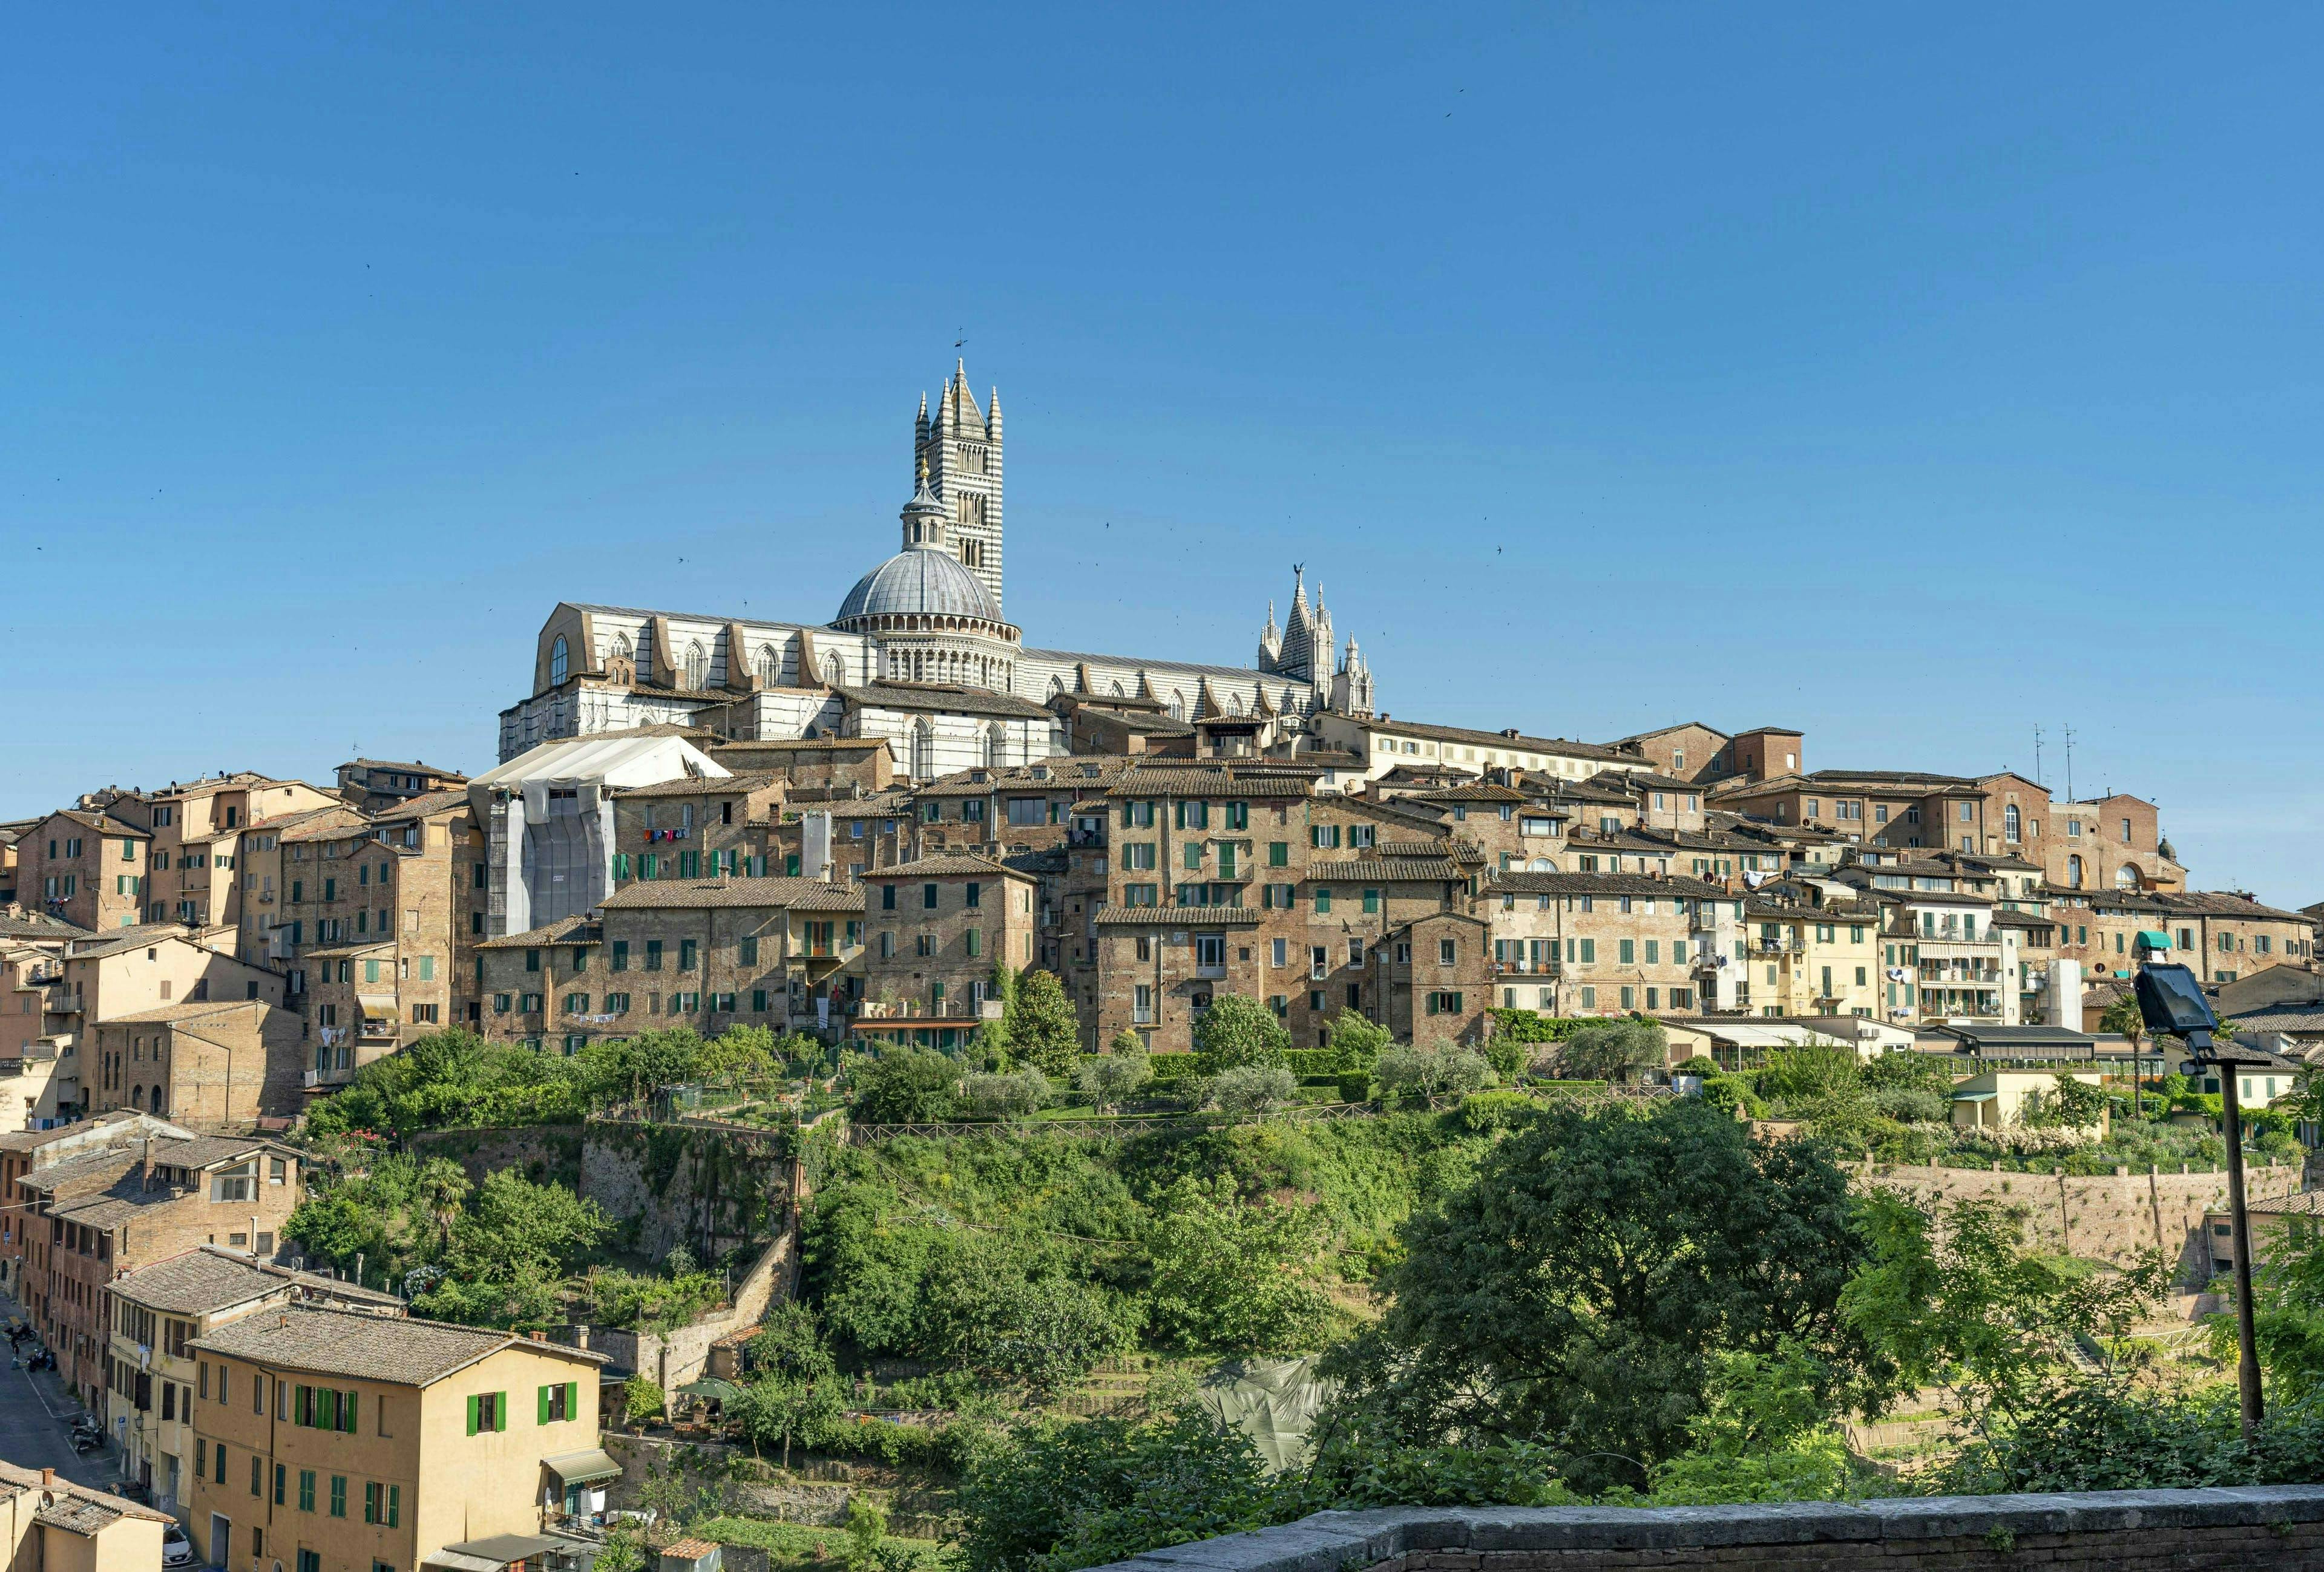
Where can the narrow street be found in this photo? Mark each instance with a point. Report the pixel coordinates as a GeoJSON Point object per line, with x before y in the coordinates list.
{"type": "Point", "coordinates": [36, 1419]}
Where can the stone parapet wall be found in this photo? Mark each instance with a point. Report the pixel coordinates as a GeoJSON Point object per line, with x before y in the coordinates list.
{"type": "Point", "coordinates": [2279, 1527]}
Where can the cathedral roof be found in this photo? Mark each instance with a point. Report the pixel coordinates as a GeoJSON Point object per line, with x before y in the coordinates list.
{"type": "Point", "coordinates": [920, 579]}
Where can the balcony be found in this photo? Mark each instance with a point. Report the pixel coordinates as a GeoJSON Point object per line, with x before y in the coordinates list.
{"type": "Point", "coordinates": [60, 1001]}
{"type": "Point", "coordinates": [1546, 967]}
{"type": "Point", "coordinates": [1772, 947]}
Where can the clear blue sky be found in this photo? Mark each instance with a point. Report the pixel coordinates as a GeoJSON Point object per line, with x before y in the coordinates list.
{"type": "Point", "coordinates": [1910, 375]}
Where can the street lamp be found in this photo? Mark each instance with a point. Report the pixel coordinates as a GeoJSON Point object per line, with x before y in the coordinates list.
{"type": "Point", "coordinates": [2172, 1004]}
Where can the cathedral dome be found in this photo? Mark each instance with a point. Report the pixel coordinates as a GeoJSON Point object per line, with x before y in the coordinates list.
{"type": "Point", "coordinates": [924, 580]}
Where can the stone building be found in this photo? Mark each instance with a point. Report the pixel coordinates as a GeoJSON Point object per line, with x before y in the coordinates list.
{"type": "Point", "coordinates": [934, 930]}
{"type": "Point", "coordinates": [2113, 842]}
{"type": "Point", "coordinates": [383, 1442]}
{"type": "Point", "coordinates": [376, 786]}
{"type": "Point", "coordinates": [1429, 984]}
{"type": "Point", "coordinates": [1603, 943]}
{"type": "Point", "coordinates": [153, 1371]}
{"type": "Point", "coordinates": [702, 953]}
{"type": "Point", "coordinates": [2224, 935]}
{"type": "Point", "coordinates": [194, 865]}
{"type": "Point", "coordinates": [1190, 880]}
{"type": "Point", "coordinates": [214, 1066]}
{"type": "Point", "coordinates": [85, 867]}
{"type": "Point", "coordinates": [695, 827]}
{"type": "Point", "coordinates": [1875, 807]}
{"type": "Point", "coordinates": [920, 652]}
{"type": "Point", "coordinates": [140, 1197]}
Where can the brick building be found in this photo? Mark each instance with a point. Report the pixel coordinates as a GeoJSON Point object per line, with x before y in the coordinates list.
{"type": "Point", "coordinates": [137, 1198]}
{"type": "Point", "coordinates": [1429, 981]}
{"type": "Point", "coordinates": [706, 954]}
{"type": "Point", "coordinates": [153, 1374]}
{"type": "Point", "coordinates": [377, 786]}
{"type": "Point", "coordinates": [1597, 943]}
{"type": "Point", "coordinates": [934, 928]}
{"type": "Point", "coordinates": [216, 1066]}
{"type": "Point", "coordinates": [85, 867]}
{"type": "Point", "coordinates": [2224, 935]}
{"type": "Point", "coordinates": [2113, 842]}
{"type": "Point", "coordinates": [194, 873]}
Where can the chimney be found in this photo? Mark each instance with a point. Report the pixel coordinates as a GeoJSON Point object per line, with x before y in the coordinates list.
{"type": "Point", "coordinates": [581, 1335]}
{"type": "Point", "coordinates": [48, 1479]}
{"type": "Point", "coordinates": [145, 1176]}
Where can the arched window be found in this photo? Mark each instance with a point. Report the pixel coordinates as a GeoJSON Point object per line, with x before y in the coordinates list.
{"type": "Point", "coordinates": [1234, 703]}
{"type": "Point", "coordinates": [137, 1098]}
{"type": "Point", "coordinates": [557, 663]}
{"type": "Point", "coordinates": [2074, 871]}
{"type": "Point", "coordinates": [1177, 705]}
{"type": "Point", "coordinates": [833, 672]}
{"type": "Point", "coordinates": [1056, 686]}
{"type": "Point", "coordinates": [996, 745]}
{"type": "Point", "coordinates": [2009, 822]}
{"type": "Point", "coordinates": [770, 665]}
{"type": "Point", "coordinates": [924, 750]}
{"type": "Point", "coordinates": [698, 667]}
{"type": "Point", "coordinates": [1118, 693]}
{"type": "Point", "coordinates": [2127, 876]}
{"type": "Point", "coordinates": [1544, 865]}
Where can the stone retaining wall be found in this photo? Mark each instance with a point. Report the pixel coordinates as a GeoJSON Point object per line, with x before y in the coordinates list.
{"type": "Point", "coordinates": [2277, 1527]}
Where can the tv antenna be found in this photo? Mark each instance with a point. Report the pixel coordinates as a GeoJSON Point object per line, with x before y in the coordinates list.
{"type": "Point", "coordinates": [2037, 756]}
{"type": "Point", "coordinates": [962, 341]}
{"type": "Point", "coordinates": [2069, 764]}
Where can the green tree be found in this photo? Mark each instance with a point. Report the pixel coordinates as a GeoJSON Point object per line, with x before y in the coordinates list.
{"type": "Point", "coordinates": [1430, 1072]}
{"type": "Point", "coordinates": [1017, 1094]}
{"type": "Point", "coordinates": [641, 1399]}
{"type": "Point", "coordinates": [1357, 1040]}
{"type": "Point", "coordinates": [776, 1408]}
{"type": "Point", "coordinates": [1252, 1090]}
{"type": "Point", "coordinates": [1043, 1334]}
{"type": "Point", "coordinates": [1613, 1050]}
{"type": "Point", "coordinates": [1236, 1031]}
{"type": "Point", "coordinates": [1000, 1051]}
{"type": "Point", "coordinates": [1043, 1030]}
{"type": "Point", "coordinates": [1569, 1297]}
{"type": "Point", "coordinates": [906, 1086]}
{"type": "Point", "coordinates": [1058, 1496]}
{"type": "Point", "coordinates": [1227, 1276]}
{"type": "Point", "coordinates": [1978, 1317]}
{"type": "Point", "coordinates": [1108, 1079]}
{"type": "Point", "coordinates": [867, 1529]}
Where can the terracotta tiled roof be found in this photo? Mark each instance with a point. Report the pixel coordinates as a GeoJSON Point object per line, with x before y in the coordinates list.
{"type": "Point", "coordinates": [207, 1278]}
{"type": "Point", "coordinates": [1603, 883]}
{"type": "Point", "coordinates": [564, 930]}
{"type": "Point", "coordinates": [680, 894]}
{"type": "Point", "coordinates": [335, 1342]}
{"type": "Point", "coordinates": [1387, 870]}
{"type": "Point", "coordinates": [1174, 918]}
{"type": "Point", "coordinates": [944, 866]}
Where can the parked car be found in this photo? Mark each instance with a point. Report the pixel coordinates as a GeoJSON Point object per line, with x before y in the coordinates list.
{"type": "Point", "coordinates": [176, 1550]}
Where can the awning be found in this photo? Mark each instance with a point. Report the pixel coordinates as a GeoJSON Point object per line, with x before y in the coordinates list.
{"type": "Point", "coordinates": [586, 1467]}
{"type": "Point", "coordinates": [490, 1554]}
{"type": "Point", "coordinates": [2153, 940]}
{"type": "Point", "coordinates": [382, 1005]}
{"type": "Point", "coordinates": [712, 1387]}
{"type": "Point", "coordinates": [1974, 1097]}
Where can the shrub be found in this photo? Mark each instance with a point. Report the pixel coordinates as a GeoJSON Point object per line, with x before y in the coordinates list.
{"type": "Point", "coordinates": [1017, 1094]}
{"type": "Point", "coordinates": [1356, 1085]}
{"type": "Point", "coordinates": [1525, 1026]}
{"type": "Point", "coordinates": [1614, 1050]}
{"type": "Point", "coordinates": [1168, 1068]}
{"type": "Point", "coordinates": [1236, 1031]}
{"type": "Point", "coordinates": [1251, 1089]}
{"type": "Point", "coordinates": [906, 1086]}
{"type": "Point", "coordinates": [1430, 1072]}
{"type": "Point", "coordinates": [1108, 1078]}
{"type": "Point", "coordinates": [1487, 1111]}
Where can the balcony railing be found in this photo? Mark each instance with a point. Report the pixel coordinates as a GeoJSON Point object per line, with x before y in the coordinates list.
{"type": "Point", "coordinates": [1528, 966]}
{"type": "Point", "coordinates": [1777, 946]}
{"type": "Point", "coordinates": [60, 1001]}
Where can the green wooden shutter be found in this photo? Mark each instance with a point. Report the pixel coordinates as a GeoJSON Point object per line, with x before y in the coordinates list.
{"type": "Point", "coordinates": [472, 1414]}
{"type": "Point", "coordinates": [541, 1407]}
{"type": "Point", "coordinates": [572, 1400]}
{"type": "Point", "coordinates": [348, 1412]}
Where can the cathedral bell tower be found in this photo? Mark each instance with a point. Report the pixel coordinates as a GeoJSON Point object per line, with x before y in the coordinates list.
{"type": "Point", "coordinates": [959, 450]}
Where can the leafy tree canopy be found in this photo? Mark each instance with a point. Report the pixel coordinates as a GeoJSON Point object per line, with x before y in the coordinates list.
{"type": "Point", "coordinates": [1569, 1297]}
{"type": "Point", "coordinates": [1236, 1031]}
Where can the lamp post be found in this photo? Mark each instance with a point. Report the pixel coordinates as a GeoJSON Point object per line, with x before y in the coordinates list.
{"type": "Point", "coordinates": [2172, 1004]}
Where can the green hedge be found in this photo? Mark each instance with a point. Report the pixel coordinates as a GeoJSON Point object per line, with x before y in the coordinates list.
{"type": "Point", "coordinates": [1170, 1067]}
{"type": "Point", "coordinates": [1525, 1026]}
